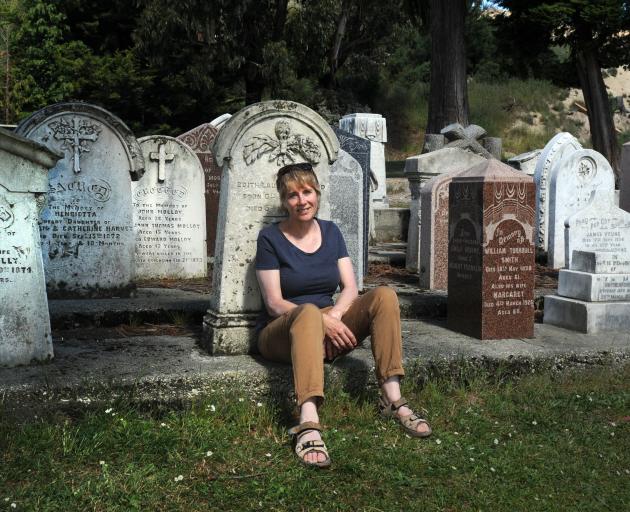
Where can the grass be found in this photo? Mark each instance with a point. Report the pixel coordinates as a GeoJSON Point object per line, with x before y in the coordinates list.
{"type": "Point", "coordinates": [543, 442]}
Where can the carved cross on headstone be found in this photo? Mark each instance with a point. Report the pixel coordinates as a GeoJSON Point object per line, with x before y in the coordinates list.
{"type": "Point", "coordinates": [161, 157]}
{"type": "Point", "coordinates": [465, 138]}
{"type": "Point", "coordinates": [75, 137]}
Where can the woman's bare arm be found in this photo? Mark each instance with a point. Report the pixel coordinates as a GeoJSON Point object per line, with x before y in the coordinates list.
{"type": "Point", "coordinates": [269, 281]}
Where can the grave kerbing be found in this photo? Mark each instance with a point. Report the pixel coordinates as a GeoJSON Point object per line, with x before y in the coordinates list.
{"type": "Point", "coordinates": [86, 228]}
{"type": "Point", "coordinates": [251, 147]}
{"type": "Point", "coordinates": [25, 334]}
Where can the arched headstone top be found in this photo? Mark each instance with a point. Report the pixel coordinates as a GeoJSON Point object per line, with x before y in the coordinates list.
{"type": "Point", "coordinates": [80, 135]}
{"type": "Point", "coordinates": [286, 144]}
{"type": "Point", "coordinates": [201, 138]}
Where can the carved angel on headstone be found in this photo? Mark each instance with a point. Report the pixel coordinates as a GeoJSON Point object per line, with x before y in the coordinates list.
{"type": "Point", "coordinates": [284, 150]}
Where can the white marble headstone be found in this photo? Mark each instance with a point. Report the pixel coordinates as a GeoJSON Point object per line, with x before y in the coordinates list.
{"type": "Point", "coordinates": [575, 181]}
{"type": "Point", "coordinates": [169, 211]}
{"type": "Point", "coordinates": [87, 227]}
{"type": "Point", "coordinates": [218, 122]}
{"type": "Point", "coordinates": [557, 148]}
{"type": "Point", "coordinates": [24, 322]}
{"type": "Point", "coordinates": [602, 228]}
{"type": "Point", "coordinates": [374, 128]}
{"type": "Point", "coordinates": [346, 207]}
{"type": "Point", "coordinates": [250, 148]}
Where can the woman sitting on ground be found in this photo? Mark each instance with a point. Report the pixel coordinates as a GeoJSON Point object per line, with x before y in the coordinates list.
{"type": "Point", "coordinates": [300, 262]}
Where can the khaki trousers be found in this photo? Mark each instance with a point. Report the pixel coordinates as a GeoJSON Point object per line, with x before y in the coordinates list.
{"type": "Point", "coordinates": [297, 338]}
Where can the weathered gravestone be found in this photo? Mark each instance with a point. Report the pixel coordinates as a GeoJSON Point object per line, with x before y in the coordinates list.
{"type": "Point", "coordinates": [24, 321]}
{"type": "Point", "coordinates": [218, 122]}
{"type": "Point", "coordinates": [374, 128]}
{"type": "Point", "coordinates": [418, 170]}
{"type": "Point", "coordinates": [491, 252]}
{"type": "Point", "coordinates": [200, 139]}
{"type": "Point", "coordinates": [434, 231]}
{"type": "Point", "coordinates": [594, 293]}
{"type": "Point", "coordinates": [251, 147]}
{"type": "Point", "coordinates": [558, 147]}
{"type": "Point", "coordinates": [346, 207]}
{"type": "Point", "coordinates": [169, 212]}
{"type": "Point", "coordinates": [526, 162]}
{"type": "Point", "coordinates": [624, 185]}
{"type": "Point", "coordinates": [359, 149]}
{"type": "Point", "coordinates": [471, 138]}
{"type": "Point", "coordinates": [579, 178]}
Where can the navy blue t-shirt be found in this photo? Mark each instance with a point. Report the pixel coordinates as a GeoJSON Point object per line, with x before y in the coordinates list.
{"type": "Point", "coordinates": [304, 277]}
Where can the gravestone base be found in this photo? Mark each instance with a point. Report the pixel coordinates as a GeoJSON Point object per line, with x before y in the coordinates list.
{"type": "Point", "coordinates": [587, 317]}
{"type": "Point", "coordinates": [229, 334]}
{"type": "Point", "coordinates": [62, 290]}
{"type": "Point", "coordinates": [593, 287]}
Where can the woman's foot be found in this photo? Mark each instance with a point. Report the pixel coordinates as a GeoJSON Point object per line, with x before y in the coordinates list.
{"type": "Point", "coordinates": [391, 404]}
{"type": "Point", "coordinates": [308, 413]}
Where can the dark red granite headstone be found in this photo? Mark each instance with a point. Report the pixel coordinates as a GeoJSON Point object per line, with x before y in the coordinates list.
{"type": "Point", "coordinates": [200, 140]}
{"type": "Point", "coordinates": [491, 252]}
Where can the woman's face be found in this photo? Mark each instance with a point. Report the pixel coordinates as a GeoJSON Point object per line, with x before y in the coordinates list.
{"type": "Point", "coordinates": [301, 202]}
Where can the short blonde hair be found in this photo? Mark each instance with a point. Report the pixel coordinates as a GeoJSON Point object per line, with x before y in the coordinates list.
{"type": "Point", "coordinates": [300, 174]}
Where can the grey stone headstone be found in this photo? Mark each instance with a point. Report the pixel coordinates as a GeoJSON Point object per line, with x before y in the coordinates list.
{"type": "Point", "coordinates": [575, 181]}
{"type": "Point", "coordinates": [169, 212]}
{"type": "Point", "coordinates": [200, 140]}
{"type": "Point", "coordinates": [251, 147]}
{"type": "Point", "coordinates": [24, 322]}
{"type": "Point", "coordinates": [419, 169]}
{"type": "Point", "coordinates": [87, 234]}
{"type": "Point", "coordinates": [346, 207]}
{"type": "Point", "coordinates": [359, 149]}
{"type": "Point", "coordinates": [526, 162]}
{"type": "Point", "coordinates": [374, 128]}
{"type": "Point", "coordinates": [559, 146]}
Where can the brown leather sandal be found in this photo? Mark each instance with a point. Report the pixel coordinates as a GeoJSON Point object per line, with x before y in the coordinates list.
{"type": "Point", "coordinates": [303, 449]}
{"type": "Point", "coordinates": [408, 423]}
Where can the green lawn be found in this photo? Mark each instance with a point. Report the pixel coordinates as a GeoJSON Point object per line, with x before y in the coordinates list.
{"type": "Point", "coordinates": [542, 442]}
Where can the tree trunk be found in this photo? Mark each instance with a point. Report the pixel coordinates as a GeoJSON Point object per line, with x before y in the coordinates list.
{"type": "Point", "coordinates": [448, 97]}
{"type": "Point", "coordinates": [600, 117]}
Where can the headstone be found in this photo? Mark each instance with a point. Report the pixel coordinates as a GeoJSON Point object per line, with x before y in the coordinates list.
{"type": "Point", "coordinates": [433, 142]}
{"type": "Point", "coordinates": [169, 212]}
{"type": "Point", "coordinates": [87, 234]}
{"type": "Point", "coordinates": [559, 146]}
{"type": "Point", "coordinates": [200, 140]}
{"type": "Point", "coordinates": [494, 146]}
{"type": "Point", "coordinates": [594, 292]}
{"type": "Point", "coordinates": [576, 180]}
{"type": "Point", "coordinates": [434, 231]}
{"type": "Point", "coordinates": [469, 138]}
{"type": "Point", "coordinates": [251, 147]}
{"type": "Point", "coordinates": [600, 227]}
{"type": "Point", "coordinates": [24, 321]}
{"type": "Point", "coordinates": [218, 122]}
{"type": "Point", "coordinates": [624, 182]}
{"type": "Point", "coordinates": [526, 162]}
{"type": "Point", "coordinates": [374, 128]}
{"type": "Point", "coordinates": [359, 149]}
{"type": "Point", "coordinates": [419, 169]}
{"type": "Point", "coordinates": [491, 252]}
{"type": "Point", "coordinates": [346, 207]}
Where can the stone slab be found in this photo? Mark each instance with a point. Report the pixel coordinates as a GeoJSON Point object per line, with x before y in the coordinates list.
{"type": "Point", "coordinates": [526, 162]}
{"type": "Point", "coordinates": [562, 144]}
{"type": "Point", "coordinates": [25, 334]}
{"type": "Point", "coordinates": [86, 228]}
{"type": "Point", "coordinates": [600, 262]}
{"type": "Point", "coordinates": [169, 212]}
{"type": "Point", "coordinates": [600, 227]}
{"type": "Point", "coordinates": [346, 208]}
{"type": "Point", "coordinates": [587, 317]}
{"type": "Point", "coordinates": [593, 287]}
{"type": "Point", "coordinates": [580, 178]}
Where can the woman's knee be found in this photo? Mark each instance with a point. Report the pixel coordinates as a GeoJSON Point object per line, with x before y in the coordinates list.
{"type": "Point", "coordinates": [386, 295]}
{"type": "Point", "coordinates": [308, 316]}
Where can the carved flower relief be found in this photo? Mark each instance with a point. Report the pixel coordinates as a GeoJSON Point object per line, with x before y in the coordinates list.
{"type": "Point", "coordinates": [586, 170]}
{"type": "Point", "coordinates": [283, 150]}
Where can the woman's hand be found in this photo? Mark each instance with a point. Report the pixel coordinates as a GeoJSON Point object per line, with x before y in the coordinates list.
{"type": "Point", "coordinates": [338, 333]}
